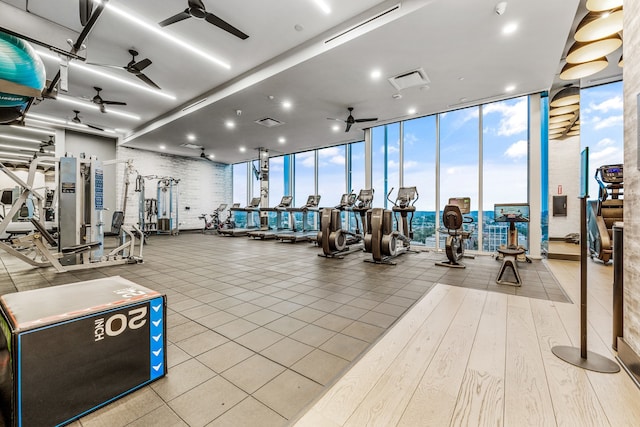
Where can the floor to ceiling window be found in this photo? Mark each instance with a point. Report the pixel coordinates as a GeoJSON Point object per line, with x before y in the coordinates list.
{"type": "Point", "coordinates": [304, 182]}
{"type": "Point", "coordinates": [459, 162]}
{"type": "Point", "coordinates": [385, 161]}
{"type": "Point", "coordinates": [276, 180]}
{"type": "Point", "coordinates": [602, 128]}
{"type": "Point", "coordinates": [505, 166]}
{"type": "Point", "coordinates": [419, 169]}
{"type": "Point", "coordinates": [331, 174]}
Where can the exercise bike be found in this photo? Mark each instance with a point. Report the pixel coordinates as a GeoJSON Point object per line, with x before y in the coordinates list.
{"type": "Point", "coordinates": [214, 224]}
{"type": "Point", "coordinates": [335, 241]}
{"type": "Point", "coordinates": [453, 221]}
{"type": "Point", "coordinates": [381, 240]}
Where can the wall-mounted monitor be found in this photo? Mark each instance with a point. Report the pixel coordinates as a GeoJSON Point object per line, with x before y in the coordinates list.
{"type": "Point", "coordinates": [511, 212]}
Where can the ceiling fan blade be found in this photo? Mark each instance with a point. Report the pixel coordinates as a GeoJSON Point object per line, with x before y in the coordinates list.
{"type": "Point", "coordinates": [348, 127]}
{"type": "Point", "coordinates": [175, 18]}
{"type": "Point", "coordinates": [113, 103]}
{"type": "Point", "coordinates": [85, 11]}
{"type": "Point", "coordinates": [141, 65]}
{"type": "Point", "coordinates": [197, 4]}
{"type": "Point", "coordinates": [220, 23]}
{"type": "Point", "coordinates": [95, 127]}
{"type": "Point", "coordinates": [148, 81]}
{"type": "Point", "coordinates": [366, 120]}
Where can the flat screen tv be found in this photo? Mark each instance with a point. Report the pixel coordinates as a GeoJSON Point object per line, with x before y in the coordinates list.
{"type": "Point", "coordinates": [511, 212]}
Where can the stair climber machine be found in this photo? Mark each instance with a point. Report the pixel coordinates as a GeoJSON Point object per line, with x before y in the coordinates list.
{"type": "Point", "coordinates": [381, 240]}
{"type": "Point", "coordinates": [453, 221]}
{"type": "Point", "coordinates": [336, 242]}
{"type": "Point", "coordinates": [309, 231]}
{"type": "Point", "coordinates": [250, 225]}
{"type": "Point", "coordinates": [279, 209]}
{"type": "Point", "coordinates": [603, 213]}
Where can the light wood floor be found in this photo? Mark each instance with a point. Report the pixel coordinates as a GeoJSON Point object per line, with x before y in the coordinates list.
{"type": "Point", "coordinates": [476, 358]}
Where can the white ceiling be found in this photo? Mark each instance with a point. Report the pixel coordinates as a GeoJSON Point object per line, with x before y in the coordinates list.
{"type": "Point", "coordinates": [458, 43]}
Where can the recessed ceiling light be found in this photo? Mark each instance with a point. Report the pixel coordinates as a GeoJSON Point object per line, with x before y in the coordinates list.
{"type": "Point", "coordinates": [230, 124]}
{"type": "Point", "coordinates": [211, 156]}
{"type": "Point", "coordinates": [162, 147]}
{"type": "Point", "coordinates": [335, 128]}
{"type": "Point", "coordinates": [282, 140]}
{"type": "Point", "coordinates": [510, 28]}
{"type": "Point", "coordinates": [396, 96]}
{"type": "Point", "coordinates": [376, 74]}
{"type": "Point", "coordinates": [461, 78]}
{"type": "Point", "coordinates": [510, 88]}
{"type": "Point", "coordinates": [191, 137]}
{"type": "Point", "coordinates": [242, 149]}
{"type": "Point", "coordinates": [286, 104]}
{"type": "Point", "coordinates": [411, 111]}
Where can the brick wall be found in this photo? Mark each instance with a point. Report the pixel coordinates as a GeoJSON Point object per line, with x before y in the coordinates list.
{"type": "Point", "coordinates": [203, 184]}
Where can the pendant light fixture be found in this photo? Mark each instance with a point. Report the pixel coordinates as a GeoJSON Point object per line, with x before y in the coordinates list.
{"type": "Point", "coordinates": [598, 25]}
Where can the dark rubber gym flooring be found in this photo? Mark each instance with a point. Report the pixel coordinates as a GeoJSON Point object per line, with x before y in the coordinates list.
{"type": "Point", "coordinates": [257, 329]}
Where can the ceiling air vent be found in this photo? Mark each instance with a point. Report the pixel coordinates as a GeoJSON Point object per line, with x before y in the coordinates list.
{"type": "Point", "coordinates": [269, 122]}
{"type": "Point", "coordinates": [192, 146]}
{"type": "Point", "coordinates": [409, 79]}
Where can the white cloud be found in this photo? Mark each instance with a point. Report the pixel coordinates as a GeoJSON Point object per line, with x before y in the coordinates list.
{"type": "Point", "coordinates": [411, 164]}
{"type": "Point", "coordinates": [514, 116]}
{"type": "Point", "coordinates": [306, 159]}
{"type": "Point", "coordinates": [338, 160]}
{"type": "Point", "coordinates": [615, 103]}
{"type": "Point", "coordinates": [605, 141]}
{"type": "Point", "coordinates": [330, 152]}
{"type": "Point", "coordinates": [607, 155]}
{"type": "Point", "coordinates": [517, 149]}
{"type": "Point", "coordinates": [607, 122]}
{"type": "Point", "coordinates": [410, 139]}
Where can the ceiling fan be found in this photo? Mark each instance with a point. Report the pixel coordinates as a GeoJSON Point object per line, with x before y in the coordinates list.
{"type": "Point", "coordinates": [134, 68]}
{"type": "Point", "coordinates": [351, 120]}
{"type": "Point", "coordinates": [196, 9]}
{"type": "Point", "coordinates": [79, 121]}
{"type": "Point", "coordinates": [204, 156]}
{"type": "Point", "coordinates": [86, 7]}
{"type": "Point", "coordinates": [97, 99]}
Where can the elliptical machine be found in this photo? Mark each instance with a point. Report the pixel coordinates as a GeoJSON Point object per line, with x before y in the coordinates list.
{"type": "Point", "coordinates": [381, 240]}
{"type": "Point", "coordinates": [337, 242]}
{"type": "Point", "coordinates": [214, 224]}
{"type": "Point", "coordinates": [453, 220]}
{"type": "Point", "coordinates": [604, 212]}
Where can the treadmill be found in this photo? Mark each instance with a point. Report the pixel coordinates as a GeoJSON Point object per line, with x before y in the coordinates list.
{"type": "Point", "coordinates": [285, 203]}
{"type": "Point", "coordinates": [309, 231]}
{"type": "Point", "coordinates": [250, 225]}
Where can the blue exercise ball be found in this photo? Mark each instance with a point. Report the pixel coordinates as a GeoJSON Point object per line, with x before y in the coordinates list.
{"type": "Point", "coordinates": [20, 64]}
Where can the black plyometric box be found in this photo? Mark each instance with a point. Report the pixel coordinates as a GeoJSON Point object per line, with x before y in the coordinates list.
{"type": "Point", "coordinates": [68, 350]}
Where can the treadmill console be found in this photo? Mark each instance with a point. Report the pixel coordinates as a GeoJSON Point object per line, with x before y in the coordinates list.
{"type": "Point", "coordinates": [222, 207]}
{"type": "Point", "coordinates": [611, 174]}
{"type": "Point", "coordinates": [255, 202]}
{"type": "Point", "coordinates": [285, 202]}
{"type": "Point", "coordinates": [313, 201]}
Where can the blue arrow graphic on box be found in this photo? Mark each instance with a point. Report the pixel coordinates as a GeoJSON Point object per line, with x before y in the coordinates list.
{"type": "Point", "coordinates": [157, 367]}
{"type": "Point", "coordinates": [157, 352]}
{"type": "Point", "coordinates": [156, 323]}
{"type": "Point", "coordinates": [156, 337]}
{"type": "Point", "coordinates": [156, 307]}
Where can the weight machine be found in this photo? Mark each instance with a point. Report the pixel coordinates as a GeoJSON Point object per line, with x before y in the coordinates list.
{"type": "Point", "coordinates": [80, 242]}
{"type": "Point", "coordinates": [158, 215]}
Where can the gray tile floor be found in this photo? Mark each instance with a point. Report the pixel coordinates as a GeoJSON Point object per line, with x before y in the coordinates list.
{"type": "Point", "coordinates": [257, 329]}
